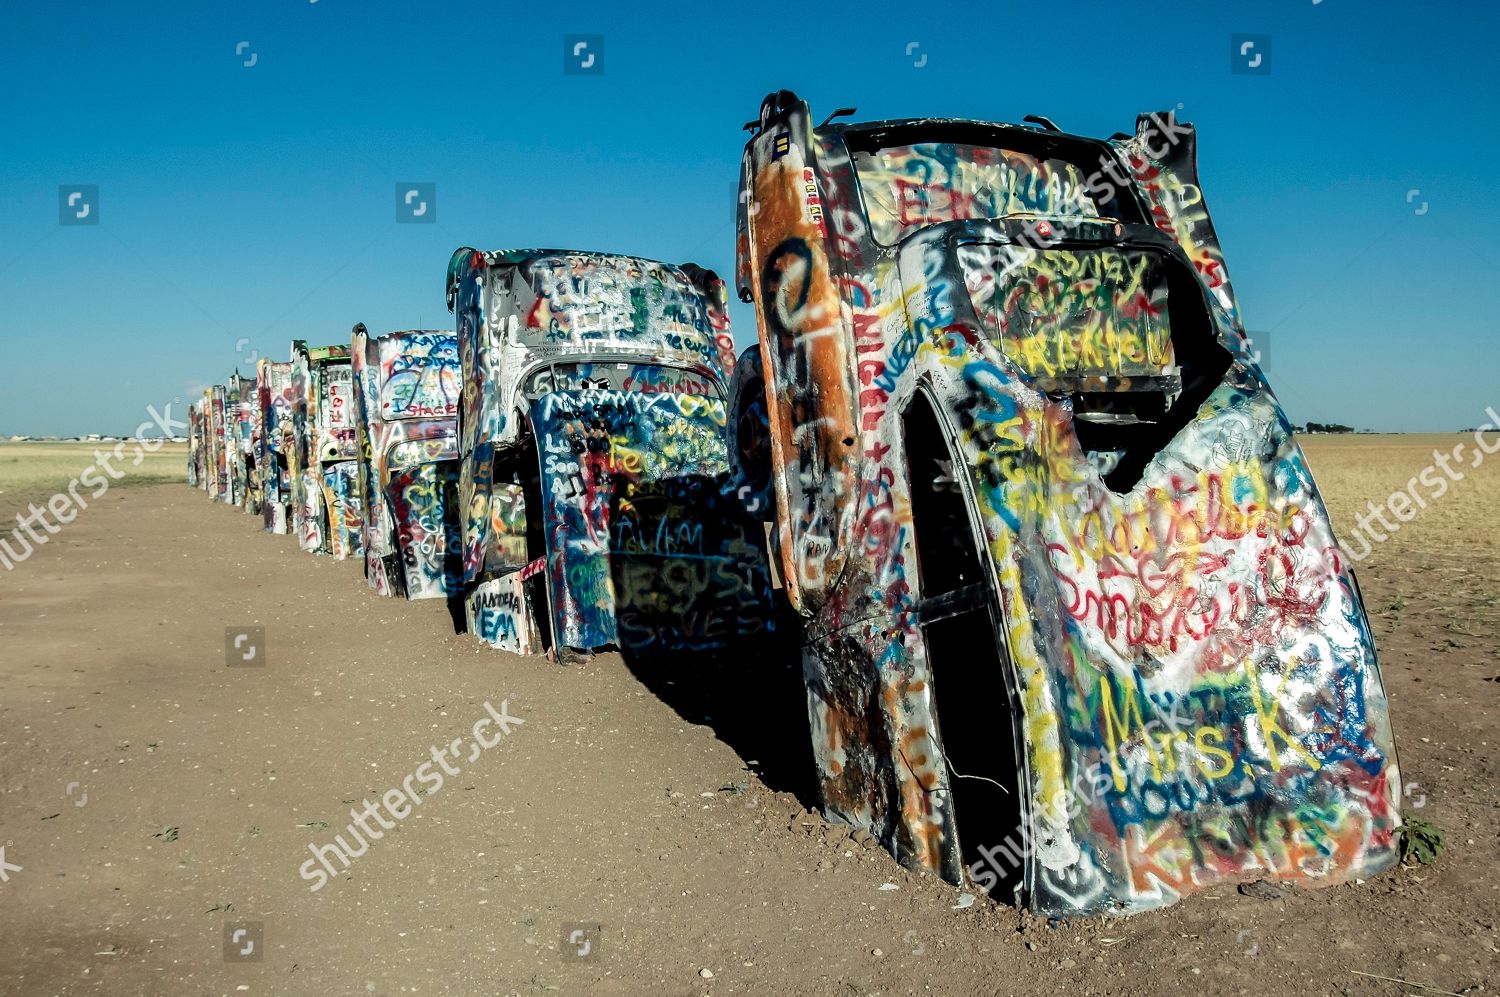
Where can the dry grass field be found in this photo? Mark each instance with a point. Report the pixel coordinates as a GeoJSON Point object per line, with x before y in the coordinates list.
{"type": "Point", "coordinates": [152, 796]}
{"type": "Point", "coordinates": [1464, 523]}
{"type": "Point", "coordinates": [34, 472]}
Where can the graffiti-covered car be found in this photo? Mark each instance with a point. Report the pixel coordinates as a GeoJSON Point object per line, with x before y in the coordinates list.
{"type": "Point", "coordinates": [242, 412]}
{"type": "Point", "coordinates": [406, 393]}
{"type": "Point", "coordinates": [324, 464]}
{"type": "Point", "coordinates": [195, 459]}
{"type": "Point", "coordinates": [277, 443]}
{"type": "Point", "coordinates": [594, 458]}
{"type": "Point", "coordinates": [219, 440]}
{"type": "Point", "coordinates": [1077, 628]}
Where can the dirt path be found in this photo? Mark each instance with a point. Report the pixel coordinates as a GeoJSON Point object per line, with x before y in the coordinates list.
{"type": "Point", "coordinates": [681, 833]}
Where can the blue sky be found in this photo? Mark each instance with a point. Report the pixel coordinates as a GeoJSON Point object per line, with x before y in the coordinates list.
{"type": "Point", "coordinates": [243, 206]}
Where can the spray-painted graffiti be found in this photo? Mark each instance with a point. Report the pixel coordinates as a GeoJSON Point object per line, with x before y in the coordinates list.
{"type": "Point", "coordinates": [306, 519]}
{"type": "Point", "coordinates": [336, 434]}
{"type": "Point", "coordinates": [499, 612]}
{"type": "Point", "coordinates": [345, 512]}
{"type": "Point", "coordinates": [326, 513]}
{"type": "Point", "coordinates": [911, 186]}
{"type": "Point", "coordinates": [1066, 500]}
{"type": "Point", "coordinates": [594, 453]}
{"type": "Point", "coordinates": [220, 438]}
{"type": "Point", "coordinates": [196, 459]}
{"type": "Point", "coordinates": [1069, 313]}
{"type": "Point", "coordinates": [640, 551]}
{"type": "Point", "coordinates": [584, 301]}
{"type": "Point", "coordinates": [276, 401]}
{"type": "Point", "coordinates": [406, 392]}
{"type": "Point", "coordinates": [244, 424]}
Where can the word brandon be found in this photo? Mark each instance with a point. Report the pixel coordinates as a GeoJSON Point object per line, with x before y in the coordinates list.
{"type": "Point", "coordinates": [399, 802]}
{"type": "Point", "coordinates": [1400, 503]}
{"type": "Point", "coordinates": [65, 505]}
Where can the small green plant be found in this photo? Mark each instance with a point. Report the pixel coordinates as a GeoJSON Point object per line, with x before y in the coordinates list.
{"type": "Point", "coordinates": [1421, 841]}
{"type": "Point", "coordinates": [166, 834]}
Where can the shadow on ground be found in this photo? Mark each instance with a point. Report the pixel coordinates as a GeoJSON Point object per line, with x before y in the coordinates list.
{"type": "Point", "coordinates": [751, 695]}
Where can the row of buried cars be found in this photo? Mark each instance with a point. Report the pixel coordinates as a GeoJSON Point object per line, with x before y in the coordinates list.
{"type": "Point", "coordinates": [558, 465]}
{"type": "Point", "coordinates": [1074, 625]}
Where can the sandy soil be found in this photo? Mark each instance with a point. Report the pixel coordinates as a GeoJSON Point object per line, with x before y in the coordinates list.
{"type": "Point", "coordinates": [670, 808]}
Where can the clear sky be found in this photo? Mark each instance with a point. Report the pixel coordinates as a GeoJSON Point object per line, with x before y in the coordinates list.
{"type": "Point", "coordinates": [243, 206]}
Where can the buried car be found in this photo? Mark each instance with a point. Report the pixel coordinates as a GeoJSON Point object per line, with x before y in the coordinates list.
{"type": "Point", "coordinates": [594, 457]}
{"type": "Point", "coordinates": [218, 441]}
{"type": "Point", "coordinates": [195, 459]}
{"type": "Point", "coordinates": [406, 392]}
{"type": "Point", "coordinates": [243, 417]}
{"type": "Point", "coordinates": [1077, 627]}
{"type": "Point", "coordinates": [273, 385]}
{"type": "Point", "coordinates": [324, 464]}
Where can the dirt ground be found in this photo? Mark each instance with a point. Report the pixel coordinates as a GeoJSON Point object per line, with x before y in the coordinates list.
{"type": "Point", "coordinates": [154, 797]}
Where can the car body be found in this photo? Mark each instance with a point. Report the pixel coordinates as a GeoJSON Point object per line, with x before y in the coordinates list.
{"type": "Point", "coordinates": [195, 460]}
{"type": "Point", "coordinates": [274, 397]}
{"type": "Point", "coordinates": [242, 414]}
{"type": "Point", "coordinates": [1077, 627]}
{"type": "Point", "coordinates": [326, 515]}
{"type": "Point", "coordinates": [406, 394]}
{"type": "Point", "coordinates": [593, 450]}
{"type": "Point", "coordinates": [220, 440]}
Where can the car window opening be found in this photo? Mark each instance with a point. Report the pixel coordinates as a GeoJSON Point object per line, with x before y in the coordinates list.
{"type": "Point", "coordinates": [971, 694]}
{"type": "Point", "coordinates": [1121, 334]}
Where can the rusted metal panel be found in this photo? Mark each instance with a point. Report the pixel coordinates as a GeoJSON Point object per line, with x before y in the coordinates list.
{"type": "Point", "coordinates": [1085, 562]}
{"type": "Point", "coordinates": [807, 350]}
{"type": "Point", "coordinates": [592, 428]}
{"type": "Point", "coordinates": [406, 394]}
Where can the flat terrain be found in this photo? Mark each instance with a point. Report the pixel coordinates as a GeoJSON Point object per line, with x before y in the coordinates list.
{"type": "Point", "coordinates": [32, 472]}
{"type": "Point", "coordinates": [151, 794]}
